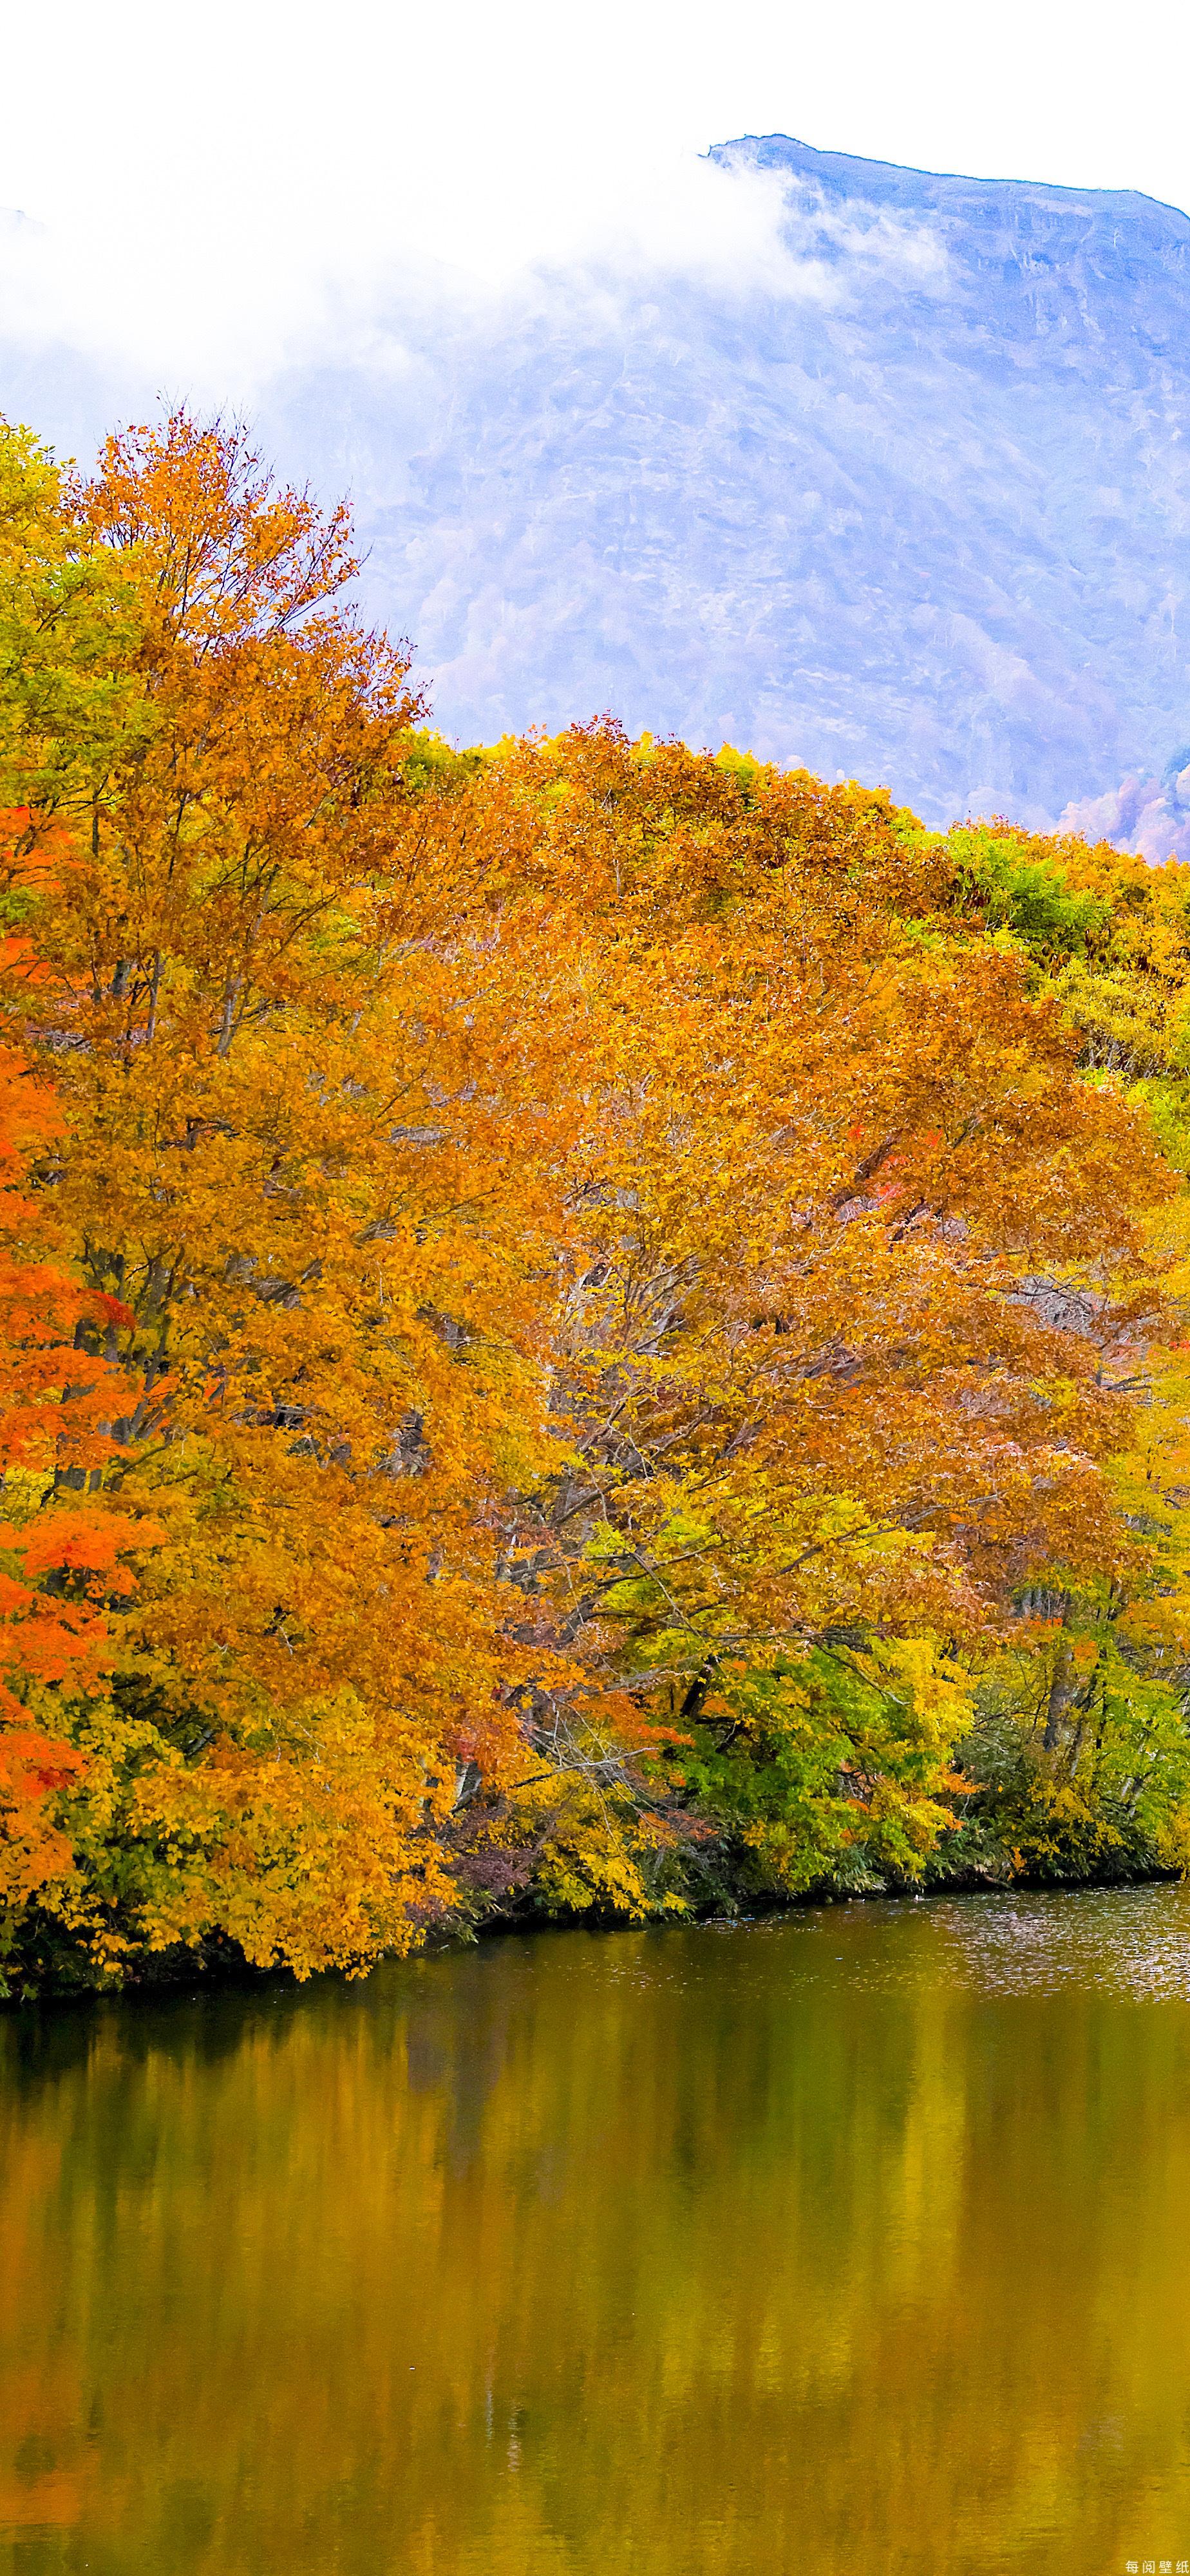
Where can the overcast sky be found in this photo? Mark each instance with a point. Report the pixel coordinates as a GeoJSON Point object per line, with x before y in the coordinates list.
{"type": "Point", "coordinates": [209, 190]}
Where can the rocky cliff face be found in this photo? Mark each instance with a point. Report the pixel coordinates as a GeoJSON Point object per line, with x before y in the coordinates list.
{"type": "Point", "coordinates": [908, 498]}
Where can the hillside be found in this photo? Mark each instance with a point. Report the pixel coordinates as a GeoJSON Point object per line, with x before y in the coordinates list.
{"type": "Point", "coordinates": [921, 516]}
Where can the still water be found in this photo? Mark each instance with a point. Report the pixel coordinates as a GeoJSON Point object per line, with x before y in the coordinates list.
{"type": "Point", "coordinates": [853, 2241]}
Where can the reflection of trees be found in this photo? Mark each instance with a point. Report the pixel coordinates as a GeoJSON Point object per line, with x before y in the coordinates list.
{"type": "Point", "coordinates": [676, 2254]}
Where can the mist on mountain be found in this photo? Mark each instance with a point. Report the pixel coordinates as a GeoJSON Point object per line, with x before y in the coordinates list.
{"type": "Point", "coordinates": [879, 471]}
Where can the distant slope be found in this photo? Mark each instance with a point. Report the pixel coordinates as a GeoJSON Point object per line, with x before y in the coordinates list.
{"type": "Point", "coordinates": [914, 506]}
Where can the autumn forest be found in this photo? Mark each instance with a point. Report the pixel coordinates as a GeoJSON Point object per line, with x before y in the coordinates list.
{"type": "Point", "coordinates": [590, 1329]}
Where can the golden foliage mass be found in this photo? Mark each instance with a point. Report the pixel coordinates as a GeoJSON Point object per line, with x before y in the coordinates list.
{"type": "Point", "coordinates": [621, 1281]}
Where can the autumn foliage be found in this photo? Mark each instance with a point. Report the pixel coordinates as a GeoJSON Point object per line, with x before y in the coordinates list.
{"type": "Point", "coordinates": [579, 1317]}
{"type": "Point", "coordinates": [61, 1542]}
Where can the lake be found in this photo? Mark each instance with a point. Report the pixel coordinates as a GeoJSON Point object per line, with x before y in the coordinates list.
{"type": "Point", "coordinates": [849, 2241]}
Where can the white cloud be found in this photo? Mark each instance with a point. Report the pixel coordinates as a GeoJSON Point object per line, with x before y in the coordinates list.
{"type": "Point", "coordinates": [180, 308]}
{"type": "Point", "coordinates": [1140, 815]}
{"type": "Point", "coordinates": [221, 187]}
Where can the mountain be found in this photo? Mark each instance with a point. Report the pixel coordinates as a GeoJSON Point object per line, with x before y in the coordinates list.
{"type": "Point", "coordinates": [906, 498]}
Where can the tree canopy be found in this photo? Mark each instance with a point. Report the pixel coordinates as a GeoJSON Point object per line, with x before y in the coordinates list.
{"type": "Point", "coordinates": [590, 1326]}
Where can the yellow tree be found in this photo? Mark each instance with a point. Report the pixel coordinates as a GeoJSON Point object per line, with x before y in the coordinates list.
{"type": "Point", "coordinates": [822, 1428]}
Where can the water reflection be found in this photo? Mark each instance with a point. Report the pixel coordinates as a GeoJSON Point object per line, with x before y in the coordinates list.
{"type": "Point", "coordinates": [852, 2241]}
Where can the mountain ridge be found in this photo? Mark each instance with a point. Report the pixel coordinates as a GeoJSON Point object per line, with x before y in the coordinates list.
{"type": "Point", "coordinates": [853, 172]}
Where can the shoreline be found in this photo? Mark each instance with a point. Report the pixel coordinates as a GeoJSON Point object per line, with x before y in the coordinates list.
{"type": "Point", "coordinates": [218, 1977]}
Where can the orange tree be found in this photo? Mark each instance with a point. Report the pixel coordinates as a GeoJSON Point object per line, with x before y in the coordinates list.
{"type": "Point", "coordinates": [295, 1104]}
{"type": "Point", "coordinates": [62, 1545]}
